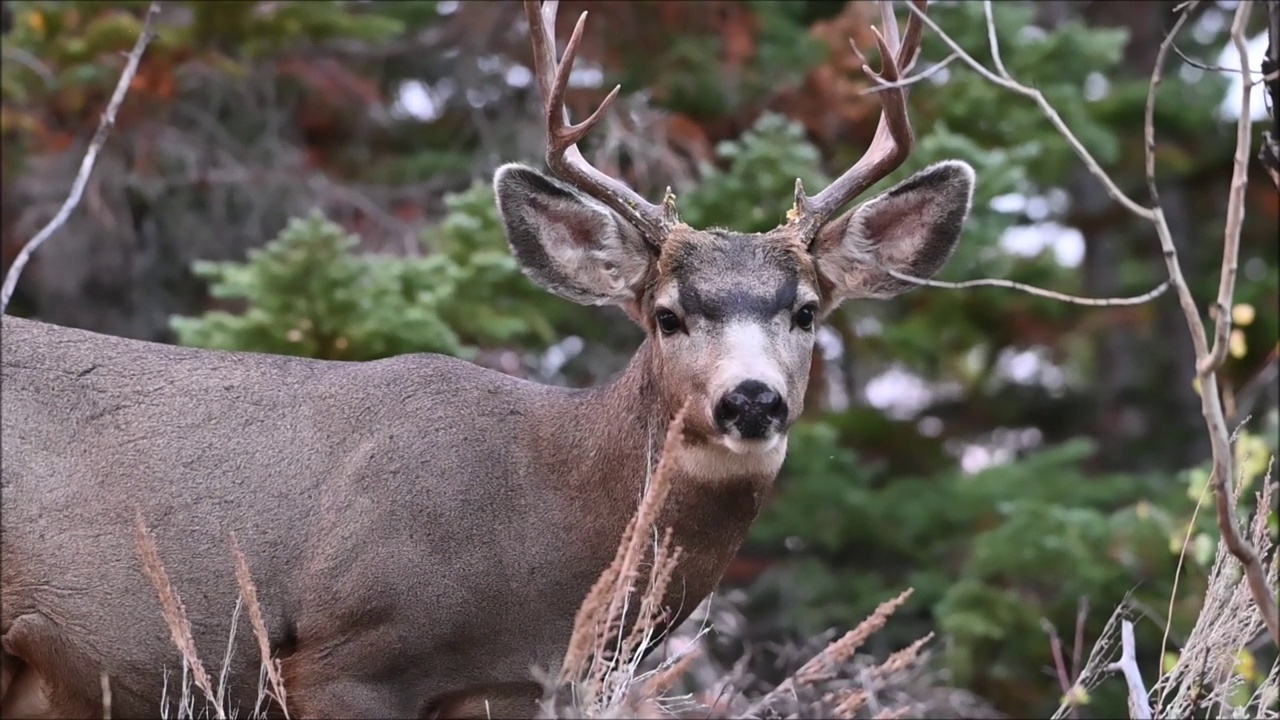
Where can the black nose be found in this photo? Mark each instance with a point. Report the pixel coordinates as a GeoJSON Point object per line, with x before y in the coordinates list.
{"type": "Point", "coordinates": [752, 408]}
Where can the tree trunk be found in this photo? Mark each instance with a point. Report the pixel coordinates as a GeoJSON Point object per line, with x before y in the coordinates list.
{"type": "Point", "coordinates": [1269, 153]}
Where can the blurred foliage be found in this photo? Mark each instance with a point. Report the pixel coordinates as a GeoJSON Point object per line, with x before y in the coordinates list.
{"type": "Point", "coordinates": [876, 495]}
{"type": "Point", "coordinates": [310, 292]}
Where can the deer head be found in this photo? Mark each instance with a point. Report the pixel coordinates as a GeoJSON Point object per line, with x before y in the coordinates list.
{"type": "Point", "coordinates": [731, 316]}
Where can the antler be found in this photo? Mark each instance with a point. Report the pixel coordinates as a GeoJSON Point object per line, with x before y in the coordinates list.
{"type": "Point", "coordinates": [893, 139]}
{"type": "Point", "coordinates": [563, 156]}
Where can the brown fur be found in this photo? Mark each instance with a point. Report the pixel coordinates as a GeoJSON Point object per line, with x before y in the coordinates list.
{"type": "Point", "coordinates": [400, 555]}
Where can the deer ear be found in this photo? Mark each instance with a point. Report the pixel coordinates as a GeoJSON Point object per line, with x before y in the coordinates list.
{"type": "Point", "coordinates": [568, 243]}
{"type": "Point", "coordinates": [910, 228]}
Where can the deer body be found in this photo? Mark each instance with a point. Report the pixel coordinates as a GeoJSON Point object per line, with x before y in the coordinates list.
{"type": "Point", "coordinates": [381, 534]}
{"type": "Point", "coordinates": [421, 530]}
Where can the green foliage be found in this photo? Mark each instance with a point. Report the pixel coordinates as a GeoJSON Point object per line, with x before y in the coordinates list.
{"type": "Point", "coordinates": [990, 554]}
{"type": "Point", "coordinates": [754, 190]}
{"type": "Point", "coordinates": [492, 303]}
{"type": "Point", "coordinates": [310, 293]}
{"type": "Point", "coordinates": [1057, 63]}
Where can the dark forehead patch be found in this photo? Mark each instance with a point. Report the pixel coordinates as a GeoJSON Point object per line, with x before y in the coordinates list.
{"type": "Point", "coordinates": [726, 275]}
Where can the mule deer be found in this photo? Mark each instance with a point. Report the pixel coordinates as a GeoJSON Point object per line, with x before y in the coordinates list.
{"type": "Point", "coordinates": [422, 530]}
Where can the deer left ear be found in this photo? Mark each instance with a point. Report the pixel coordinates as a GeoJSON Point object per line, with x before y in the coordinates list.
{"type": "Point", "coordinates": [911, 228]}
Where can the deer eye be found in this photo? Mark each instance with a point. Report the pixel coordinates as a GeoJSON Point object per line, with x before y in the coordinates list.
{"type": "Point", "coordinates": [804, 317]}
{"type": "Point", "coordinates": [668, 322]}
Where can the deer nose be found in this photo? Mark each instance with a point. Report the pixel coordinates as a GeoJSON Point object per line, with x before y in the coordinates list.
{"type": "Point", "coordinates": [753, 408]}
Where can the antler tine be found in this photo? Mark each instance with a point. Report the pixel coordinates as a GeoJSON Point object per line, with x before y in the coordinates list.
{"type": "Point", "coordinates": [893, 139]}
{"type": "Point", "coordinates": [563, 156]}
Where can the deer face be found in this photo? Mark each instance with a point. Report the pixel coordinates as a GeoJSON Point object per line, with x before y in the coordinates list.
{"type": "Point", "coordinates": [732, 316]}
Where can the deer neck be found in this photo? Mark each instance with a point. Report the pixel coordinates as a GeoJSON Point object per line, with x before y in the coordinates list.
{"type": "Point", "coordinates": [714, 494]}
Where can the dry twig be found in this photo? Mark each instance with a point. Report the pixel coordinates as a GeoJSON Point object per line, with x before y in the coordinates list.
{"type": "Point", "coordinates": [175, 613]}
{"type": "Point", "coordinates": [90, 157]}
{"type": "Point", "coordinates": [600, 663]}
{"type": "Point", "coordinates": [823, 665]}
{"type": "Point", "coordinates": [250, 592]}
{"type": "Point", "coordinates": [1139, 704]}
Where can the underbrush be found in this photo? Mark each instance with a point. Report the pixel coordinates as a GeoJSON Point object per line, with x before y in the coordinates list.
{"type": "Point", "coordinates": [618, 664]}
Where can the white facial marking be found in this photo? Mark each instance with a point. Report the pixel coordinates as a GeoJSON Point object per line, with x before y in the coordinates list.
{"type": "Point", "coordinates": [714, 462]}
{"type": "Point", "coordinates": [747, 356]}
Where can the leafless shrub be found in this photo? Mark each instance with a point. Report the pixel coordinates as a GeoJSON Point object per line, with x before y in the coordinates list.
{"type": "Point", "coordinates": [1214, 663]}
{"type": "Point", "coordinates": [603, 674]}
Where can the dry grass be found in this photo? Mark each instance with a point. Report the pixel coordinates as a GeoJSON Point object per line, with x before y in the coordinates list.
{"type": "Point", "coordinates": [599, 674]}
{"type": "Point", "coordinates": [604, 673]}
{"type": "Point", "coordinates": [213, 701]}
{"type": "Point", "coordinates": [608, 671]}
{"type": "Point", "coordinates": [1215, 669]}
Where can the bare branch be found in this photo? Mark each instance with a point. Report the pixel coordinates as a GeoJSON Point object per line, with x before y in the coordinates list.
{"type": "Point", "coordinates": [1065, 681]}
{"type": "Point", "coordinates": [1267, 77]}
{"type": "Point", "coordinates": [90, 157]}
{"type": "Point", "coordinates": [1139, 703]}
{"type": "Point", "coordinates": [1045, 107]}
{"type": "Point", "coordinates": [1207, 358]}
{"type": "Point", "coordinates": [1148, 126]}
{"type": "Point", "coordinates": [1033, 290]}
{"type": "Point", "coordinates": [1235, 201]}
{"type": "Point", "coordinates": [882, 84]}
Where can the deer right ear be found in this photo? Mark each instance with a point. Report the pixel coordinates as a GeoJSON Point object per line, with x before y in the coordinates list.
{"type": "Point", "coordinates": [567, 243]}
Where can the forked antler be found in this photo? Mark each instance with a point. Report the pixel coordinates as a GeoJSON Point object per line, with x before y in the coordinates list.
{"type": "Point", "coordinates": [563, 156]}
{"type": "Point", "coordinates": [893, 139]}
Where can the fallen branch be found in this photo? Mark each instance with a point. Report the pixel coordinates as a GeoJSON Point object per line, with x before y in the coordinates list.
{"type": "Point", "coordinates": [105, 124]}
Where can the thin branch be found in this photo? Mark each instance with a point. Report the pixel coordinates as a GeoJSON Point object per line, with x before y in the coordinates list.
{"type": "Point", "coordinates": [1207, 358]}
{"type": "Point", "coordinates": [882, 84]}
{"type": "Point", "coordinates": [1033, 290]}
{"type": "Point", "coordinates": [1266, 77]}
{"type": "Point", "coordinates": [1060, 666]}
{"type": "Point", "coordinates": [1235, 201]}
{"type": "Point", "coordinates": [1077, 651]}
{"type": "Point", "coordinates": [1045, 107]}
{"type": "Point", "coordinates": [30, 62]}
{"type": "Point", "coordinates": [1206, 365]}
{"type": "Point", "coordinates": [1157, 75]}
{"type": "Point", "coordinates": [993, 42]}
{"type": "Point", "coordinates": [90, 157]}
{"type": "Point", "coordinates": [1139, 703]}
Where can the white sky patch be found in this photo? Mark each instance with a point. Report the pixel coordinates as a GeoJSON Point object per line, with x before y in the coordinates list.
{"type": "Point", "coordinates": [1029, 241]}
{"type": "Point", "coordinates": [898, 393]}
{"type": "Point", "coordinates": [1000, 448]}
{"type": "Point", "coordinates": [1030, 367]}
{"type": "Point", "coordinates": [559, 355]}
{"type": "Point", "coordinates": [1229, 58]}
{"type": "Point", "coordinates": [414, 102]}
{"type": "Point", "coordinates": [519, 76]}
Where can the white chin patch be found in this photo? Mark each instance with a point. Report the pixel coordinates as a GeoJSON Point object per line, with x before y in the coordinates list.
{"type": "Point", "coordinates": [750, 447]}
{"type": "Point", "coordinates": [728, 458]}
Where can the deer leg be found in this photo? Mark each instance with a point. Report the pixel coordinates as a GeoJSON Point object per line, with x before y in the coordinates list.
{"type": "Point", "coordinates": [35, 654]}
